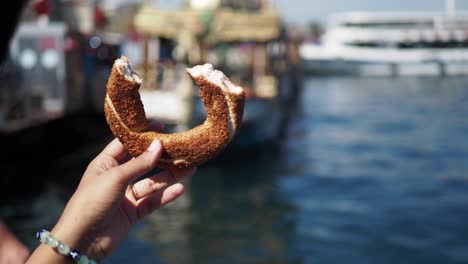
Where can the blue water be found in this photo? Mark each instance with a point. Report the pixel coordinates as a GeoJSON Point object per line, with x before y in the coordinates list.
{"type": "Point", "coordinates": [378, 171]}
{"type": "Point", "coordinates": [370, 171]}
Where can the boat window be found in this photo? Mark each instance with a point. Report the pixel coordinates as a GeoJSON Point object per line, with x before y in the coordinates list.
{"type": "Point", "coordinates": [410, 45]}
{"type": "Point", "coordinates": [389, 24]}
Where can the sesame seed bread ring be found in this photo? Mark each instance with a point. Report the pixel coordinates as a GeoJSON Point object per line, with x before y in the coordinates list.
{"type": "Point", "coordinates": [224, 103]}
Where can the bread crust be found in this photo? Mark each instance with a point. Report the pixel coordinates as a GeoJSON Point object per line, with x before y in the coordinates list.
{"type": "Point", "coordinates": [126, 118]}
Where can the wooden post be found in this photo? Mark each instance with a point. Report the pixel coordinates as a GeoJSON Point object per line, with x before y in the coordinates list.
{"type": "Point", "coordinates": [267, 59]}
{"type": "Point", "coordinates": [145, 59]}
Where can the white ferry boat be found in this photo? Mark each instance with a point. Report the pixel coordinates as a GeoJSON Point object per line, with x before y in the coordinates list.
{"type": "Point", "coordinates": [386, 44]}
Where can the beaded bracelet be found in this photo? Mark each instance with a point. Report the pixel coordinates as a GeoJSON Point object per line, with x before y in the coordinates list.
{"type": "Point", "coordinates": [63, 249]}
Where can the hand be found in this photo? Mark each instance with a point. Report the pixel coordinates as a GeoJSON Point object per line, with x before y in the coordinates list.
{"type": "Point", "coordinates": [12, 251]}
{"type": "Point", "coordinates": [105, 205]}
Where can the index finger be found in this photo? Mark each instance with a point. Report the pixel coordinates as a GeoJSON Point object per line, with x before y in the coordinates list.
{"type": "Point", "coordinates": [115, 150]}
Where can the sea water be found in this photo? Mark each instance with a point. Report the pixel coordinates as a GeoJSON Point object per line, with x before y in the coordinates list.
{"type": "Point", "coordinates": [369, 171]}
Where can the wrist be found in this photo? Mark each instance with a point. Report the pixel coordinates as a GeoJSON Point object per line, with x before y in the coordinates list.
{"type": "Point", "coordinates": [64, 252]}
{"type": "Point", "coordinates": [78, 240]}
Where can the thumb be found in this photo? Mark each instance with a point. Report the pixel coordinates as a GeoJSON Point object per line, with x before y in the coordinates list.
{"type": "Point", "coordinates": [131, 170]}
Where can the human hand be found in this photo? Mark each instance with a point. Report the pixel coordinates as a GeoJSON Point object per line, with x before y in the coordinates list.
{"type": "Point", "coordinates": [12, 251]}
{"type": "Point", "coordinates": [106, 204]}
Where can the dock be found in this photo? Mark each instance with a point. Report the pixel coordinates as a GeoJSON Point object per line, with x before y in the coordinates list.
{"type": "Point", "coordinates": [71, 75]}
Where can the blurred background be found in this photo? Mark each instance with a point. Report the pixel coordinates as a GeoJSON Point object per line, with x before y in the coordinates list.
{"type": "Point", "coordinates": [352, 148]}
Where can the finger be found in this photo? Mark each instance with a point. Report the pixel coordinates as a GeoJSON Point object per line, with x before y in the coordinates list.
{"type": "Point", "coordinates": [158, 199]}
{"type": "Point", "coordinates": [160, 181]}
{"type": "Point", "coordinates": [115, 149]}
{"type": "Point", "coordinates": [131, 170]}
{"type": "Point", "coordinates": [109, 158]}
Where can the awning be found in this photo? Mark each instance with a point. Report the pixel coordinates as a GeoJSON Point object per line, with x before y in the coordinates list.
{"type": "Point", "coordinates": [226, 25]}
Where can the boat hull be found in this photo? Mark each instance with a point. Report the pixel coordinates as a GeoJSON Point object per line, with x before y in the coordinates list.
{"type": "Point", "coordinates": [360, 68]}
{"type": "Point", "coordinates": [261, 123]}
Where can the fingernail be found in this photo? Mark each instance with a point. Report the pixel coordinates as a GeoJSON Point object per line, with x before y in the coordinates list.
{"type": "Point", "coordinates": [154, 146]}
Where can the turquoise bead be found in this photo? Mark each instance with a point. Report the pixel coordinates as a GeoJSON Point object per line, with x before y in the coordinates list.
{"type": "Point", "coordinates": [63, 249]}
{"type": "Point", "coordinates": [52, 241]}
{"type": "Point", "coordinates": [83, 260]}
